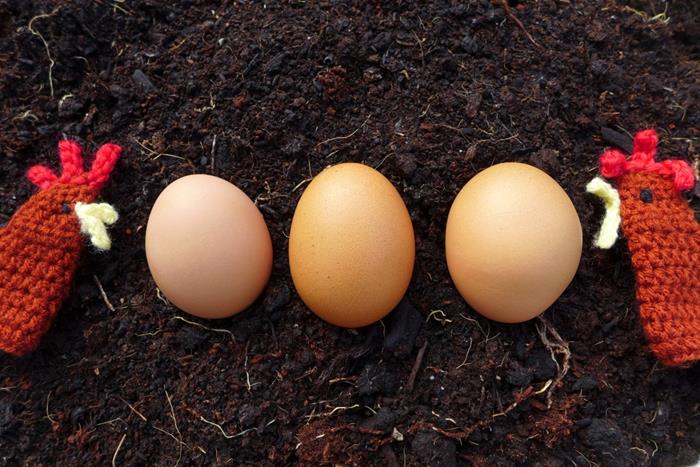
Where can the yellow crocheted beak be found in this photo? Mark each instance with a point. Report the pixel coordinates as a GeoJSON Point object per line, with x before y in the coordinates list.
{"type": "Point", "coordinates": [611, 222]}
{"type": "Point", "coordinates": [94, 219]}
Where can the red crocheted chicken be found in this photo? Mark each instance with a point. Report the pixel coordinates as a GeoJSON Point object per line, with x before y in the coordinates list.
{"type": "Point", "coordinates": [663, 238]}
{"type": "Point", "coordinates": [41, 245]}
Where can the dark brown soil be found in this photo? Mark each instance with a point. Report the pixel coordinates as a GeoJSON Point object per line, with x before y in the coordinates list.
{"type": "Point", "coordinates": [265, 96]}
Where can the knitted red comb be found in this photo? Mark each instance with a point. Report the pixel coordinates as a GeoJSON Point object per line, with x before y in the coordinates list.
{"type": "Point", "coordinates": [73, 171]}
{"type": "Point", "coordinates": [614, 163]}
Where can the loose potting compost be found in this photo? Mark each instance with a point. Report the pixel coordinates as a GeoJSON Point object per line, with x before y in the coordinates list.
{"type": "Point", "coordinates": [279, 285]}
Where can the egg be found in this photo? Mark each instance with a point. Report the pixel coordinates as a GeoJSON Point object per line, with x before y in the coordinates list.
{"type": "Point", "coordinates": [208, 247]}
{"type": "Point", "coordinates": [351, 246]}
{"type": "Point", "coordinates": [513, 242]}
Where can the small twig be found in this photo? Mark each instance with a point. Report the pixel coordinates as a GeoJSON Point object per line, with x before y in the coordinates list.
{"type": "Point", "coordinates": [46, 45]}
{"type": "Point", "coordinates": [172, 414]}
{"type": "Point", "coordinates": [416, 367]}
{"type": "Point", "coordinates": [114, 457]}
{"type": "Point", "coordinates": [312, 415]}
{"type": "Point", "coordinates": [376, 167]}
{"type": "Point", "coordinates": [104, 295]}
{"type": "Point", "coordinates": [169, 434]}
{"type": "Point", "coordinates": [155, 155]}
{"type": "Point", "coordinates": [420, 44]}
{"type": "Point", "coordinates": [178, 45]}
{"type": "Point", "coordinates": [120, 8]}
{"type": "Point", "coordinates": [133, 409]}
{"type": "Point", "coordinates": [586, 459]}
{"type": "Point", "coordinates": [112, 422]}
{"type": "Point", "coordinates": [512, 17]}
{"type": "Point", "coordinates": [346, 136]}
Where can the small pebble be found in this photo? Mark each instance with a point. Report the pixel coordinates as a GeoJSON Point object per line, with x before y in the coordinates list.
{"type": "Point", "coordinates": [142, 80]}
{"type": "Point", "coordinates": [403, 325]}
{"type": "Point", "coordinates": [585, 383]}
{"type": "Point", "coordinates": [470, 45]}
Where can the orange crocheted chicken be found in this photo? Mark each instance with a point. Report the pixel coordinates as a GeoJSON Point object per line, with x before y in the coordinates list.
{"type": "Point", "coordinates": [41, 245]}
{"type": "Point", "coordinates": [663, 238]}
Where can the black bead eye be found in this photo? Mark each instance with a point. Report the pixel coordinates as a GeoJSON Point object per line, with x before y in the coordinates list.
{"type": "Point", "coordinates": [65, 208]}
{"type": "Point", "coordinates": [646, 195]}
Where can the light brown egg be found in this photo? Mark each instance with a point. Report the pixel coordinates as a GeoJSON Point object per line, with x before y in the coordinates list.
{"type": "Point", "coordinates": [351, 246]}
{"type": "Point", "coordinates": [208, 247]}
{"type": "Point", "coordinates": [513, 242]}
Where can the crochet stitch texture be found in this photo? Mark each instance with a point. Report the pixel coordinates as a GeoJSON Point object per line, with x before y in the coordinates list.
{"type": "Point", "coordinates": [664, 242]}
{"type": "Point", "coordinates": [41, 245]}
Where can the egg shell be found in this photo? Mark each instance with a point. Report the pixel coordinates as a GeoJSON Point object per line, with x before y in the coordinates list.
{"type": "Point", "coordinates": [351, 246]}
{"type": "Point", "coordinates": [513, 242]}
{"type": "Point", "coordinates": [208, 247]}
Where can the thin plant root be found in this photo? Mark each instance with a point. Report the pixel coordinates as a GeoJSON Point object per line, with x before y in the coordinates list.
{"type": "Point", "coordinates": [555, 346]}
{"type": "Point", "coordinates": [337, 138]}
{"type": "Point", "coordinates": [416, 367]}
{"type": "Point", "coordinates": [464, 434]}
{"type": "Point", "coordinates": [30, 26]}
{"type": "Point", "coordinates": [133, 409]}
{"type": "Point", "coordinates": [104, 294]}
{"type": "Point", "coordinates": [52, 62]}
{"type": "Point", "coordinates": [201, 326]}
{"type": "Point", "coordinates": [116, 451]}
{"type": "Point", "coordinates": [518, 23]}
{"type": "Point", "coordinates": [177, 429]}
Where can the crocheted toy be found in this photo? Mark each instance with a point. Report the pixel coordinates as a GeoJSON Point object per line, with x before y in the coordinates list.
{"type": "Point", "coordinates": [663, 238]}
{"type": "Point", "coordinates": [41, 245]}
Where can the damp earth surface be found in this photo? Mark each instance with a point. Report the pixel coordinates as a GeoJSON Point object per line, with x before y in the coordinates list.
{"type": "Point", "coordinates": [266, 96]}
